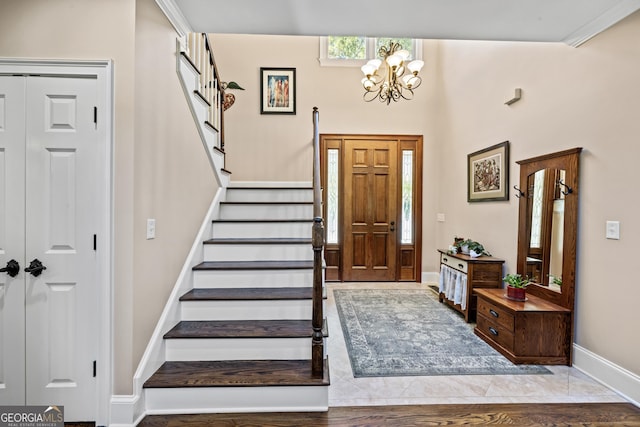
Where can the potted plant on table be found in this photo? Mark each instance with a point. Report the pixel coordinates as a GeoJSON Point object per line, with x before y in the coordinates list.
{"type": "Point", "coordinates": [468, 247]}
{"type": "Point", "coordinates": [516, 286]}
{"type": "Point", "coordinates": [476, 249]}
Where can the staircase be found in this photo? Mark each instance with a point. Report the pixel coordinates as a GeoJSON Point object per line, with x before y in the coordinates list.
{"type": "Point", "coordinates": [243, 342]}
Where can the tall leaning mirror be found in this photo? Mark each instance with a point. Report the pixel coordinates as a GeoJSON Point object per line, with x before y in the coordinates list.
{"type": "Point", "coordinates": [547, 226]}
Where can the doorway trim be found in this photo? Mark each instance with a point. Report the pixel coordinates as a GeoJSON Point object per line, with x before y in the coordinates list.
{"type": "Point", "coordinates": [408, 256]}
{"type": "Point", "coordinates": [102, 70]}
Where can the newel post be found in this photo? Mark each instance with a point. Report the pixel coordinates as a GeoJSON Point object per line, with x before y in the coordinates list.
{"type": "Point", "coordinates": [317, 242]}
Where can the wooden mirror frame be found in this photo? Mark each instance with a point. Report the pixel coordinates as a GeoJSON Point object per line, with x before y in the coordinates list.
{"type": "Point", "coordinates": [567, 160]}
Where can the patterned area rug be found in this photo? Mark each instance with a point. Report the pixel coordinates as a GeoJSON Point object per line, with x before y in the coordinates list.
{"type": "Point", "coordinates": [392, 333]}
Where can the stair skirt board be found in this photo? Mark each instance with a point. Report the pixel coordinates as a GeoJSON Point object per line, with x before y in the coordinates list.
{"type": "Point", "coordinates": [281, 194]}
{"type": "Point", "coordinates": [266, 211]}
{"type": "Point", "coordinates": [262, 229]}
{"type": "Point", "coordinates": [246, 309]}
{"type": "Point", "coordinates": [252, 278]}
{"type": "Point", "coordinates": [248, 252]}
{"type": "Point", "coordinates": [196, 349]}
{"type": "Point", "coordinates": [236, 399]}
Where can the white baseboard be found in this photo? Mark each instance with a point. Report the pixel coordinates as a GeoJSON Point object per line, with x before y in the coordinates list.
{"type": "Point", "coordinates": [620, 380]}
{"type": "Point", "coordinates": [125, 410]}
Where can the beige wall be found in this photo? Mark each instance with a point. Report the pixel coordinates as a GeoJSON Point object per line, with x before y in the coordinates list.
{"type": "Point", "coordinates": [572, 97]}
{"type": "Point", "coordinates": [160, 167]}
{"type": "Point", "coordinates": [174, 182]}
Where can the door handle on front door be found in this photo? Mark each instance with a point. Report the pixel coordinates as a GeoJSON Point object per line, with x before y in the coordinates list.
{"type": "Point", "coordinates": [12, 268]}
{"type": "Point", "coordinates": [393, 226]}
{"type": "Point", "coordinates": [35, 268]}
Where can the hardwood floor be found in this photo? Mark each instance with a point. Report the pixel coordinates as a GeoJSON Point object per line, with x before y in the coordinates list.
{"type": "Point", "coordinates": [583, 414]}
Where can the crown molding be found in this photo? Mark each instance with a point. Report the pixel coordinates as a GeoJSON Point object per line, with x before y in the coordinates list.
{"type": "Point", "coordinates": [175, 17]}
{"type": "Point", "coordinates": [602, 22]}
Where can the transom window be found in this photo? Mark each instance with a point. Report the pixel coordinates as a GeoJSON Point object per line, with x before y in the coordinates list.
{"type": "Point", "coordinates": [355, 51]}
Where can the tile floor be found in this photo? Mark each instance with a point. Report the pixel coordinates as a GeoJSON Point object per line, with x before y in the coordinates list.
{"type": "Point", "coordinates": [566, 385]}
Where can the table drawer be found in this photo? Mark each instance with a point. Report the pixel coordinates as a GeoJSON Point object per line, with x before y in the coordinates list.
{"type": "Point", "coordinates": [496, 332]}
{"type": "Point", "coordinates": [452, 262]}
{"type": "Point", "coordinates": [496, 315]}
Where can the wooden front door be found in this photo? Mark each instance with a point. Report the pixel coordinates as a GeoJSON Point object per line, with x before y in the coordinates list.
{"type": "Point", "coordinates": [370, 194]}
{"type": "Point", "coordinates": [372, 206]}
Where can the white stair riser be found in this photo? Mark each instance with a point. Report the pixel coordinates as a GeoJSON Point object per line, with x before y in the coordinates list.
{"type": "Point", "coordinates": [258, 252]}
{"type": "Point", "coordinates": [246, 310]}
{"type": "Point", "coordinates": [236, 399]}
{"type": "Point", "coordinates": [261, 229]}
{"type": "Point", "coordinates": [252, 278]}
{"type": "Point", "coordinates": [269, 195]}
{"type": "Point", "coordinates": [267, 211]}
{"type": "Point", "coordinates": [185, 349]}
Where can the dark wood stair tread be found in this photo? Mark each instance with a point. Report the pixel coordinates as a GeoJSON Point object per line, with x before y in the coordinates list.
{"type": "Point", "coordinates": [258, 241]}
{"type": "Point", "coordinates": [244, 220]}
{"type": "Point", "coordinates": [269, 188]}
{"type": "Point", "coordinates": [242, 294]}
{"type": "Point", "coordinates": [236, 373]}
{"type": "Point", "coordinates": [242, 329]}
{"type": "Point", "coordinates": [275, 202]}
{"type": "Point", "coordinates": [255, 265]}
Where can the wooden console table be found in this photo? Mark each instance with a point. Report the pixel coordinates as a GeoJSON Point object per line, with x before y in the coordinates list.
{"type": "Point", "coordinates": [481, 272]}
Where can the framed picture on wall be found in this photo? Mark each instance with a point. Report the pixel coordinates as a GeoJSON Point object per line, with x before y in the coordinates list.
{"type": "Point", "coordinates": [488, 174]}
{"type": "Point", "coordinates": [277, 90]}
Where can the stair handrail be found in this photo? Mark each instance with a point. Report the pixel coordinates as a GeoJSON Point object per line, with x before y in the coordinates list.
{"type": "Point", "coordinates": [317, 340]}
{"type": "Point", "coordinates": [210, 88]}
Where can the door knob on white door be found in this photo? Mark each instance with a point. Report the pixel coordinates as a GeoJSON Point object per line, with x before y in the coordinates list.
{"type": "Point", "coordinates": [35, 268]}
{"type": "Point", "coordinates": [12, 268]}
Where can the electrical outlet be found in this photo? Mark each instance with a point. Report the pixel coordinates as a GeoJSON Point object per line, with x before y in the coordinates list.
{"type": "Point", "coordinates": [151, 228]}
{"type": "Point", "coordinates": [613, 230]}
{"type": "Point", "coordinates": [440, 217]}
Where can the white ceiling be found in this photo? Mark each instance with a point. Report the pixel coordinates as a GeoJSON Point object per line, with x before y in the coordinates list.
{"type": "Point", "coordinates": [567, 21]}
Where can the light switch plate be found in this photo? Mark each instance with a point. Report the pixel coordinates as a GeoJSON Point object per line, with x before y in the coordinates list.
{"type": "Point", "coordinates": [440, 217]}
{"type": "Point", "coordinates": [613, 230]}
{"type": "Point", "coordinates": [151, 228]}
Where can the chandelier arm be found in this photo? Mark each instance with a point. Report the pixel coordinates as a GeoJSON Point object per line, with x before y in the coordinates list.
{"type": "Point", "coordinates": [408, 98]}
{"type": "Point", "coordinates": [370, 95]}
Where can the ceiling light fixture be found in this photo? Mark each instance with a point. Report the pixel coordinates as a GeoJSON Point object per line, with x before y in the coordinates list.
{"type": "Point", "coordinates": [399, 79]}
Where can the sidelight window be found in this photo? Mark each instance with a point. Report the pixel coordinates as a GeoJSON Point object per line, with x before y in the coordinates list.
{"type": "Point", "coordinates": [332, 195]}
{"type": "Point", "coordinates": [407, 197]}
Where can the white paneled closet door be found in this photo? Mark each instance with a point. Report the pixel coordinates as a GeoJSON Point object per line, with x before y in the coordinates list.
{"type": "Point", "coordinates": [12, 240]}
{"type": "Point", "coordinates": [57, 157]}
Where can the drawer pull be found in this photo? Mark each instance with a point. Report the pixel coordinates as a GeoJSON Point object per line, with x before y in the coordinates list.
{"type": "Point", "coordinates": [460, 266]}
{"type": "Point", "coordinates": [493, 331]}
{"type": "Point", "coordinates": [494, 313]}
{"type": "Point", "coordinates": [445, 259]}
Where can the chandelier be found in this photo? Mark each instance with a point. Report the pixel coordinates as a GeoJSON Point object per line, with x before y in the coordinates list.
{"type": "Point", "coordinates": [397, 81]}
